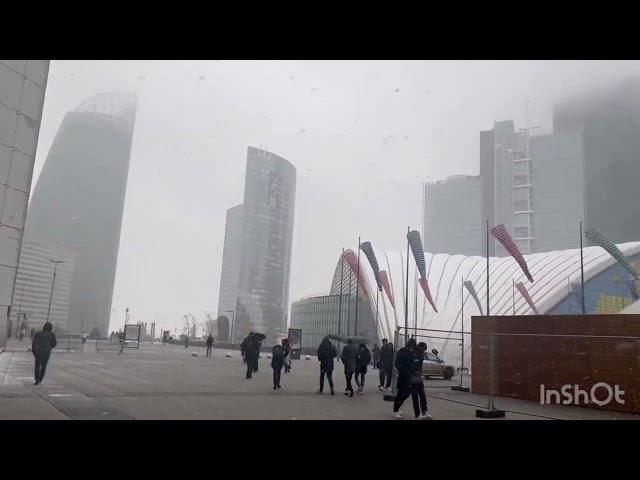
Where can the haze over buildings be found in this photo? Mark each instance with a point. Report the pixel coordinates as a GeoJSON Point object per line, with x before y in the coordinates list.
{"type": "Point", "coordinates": [363, 136]}
{"type": "Point", "coordinates": [78, 201]}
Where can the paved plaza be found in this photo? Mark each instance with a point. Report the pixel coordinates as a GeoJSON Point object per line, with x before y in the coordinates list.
{"type": "Point", "coordinates": [166, 382]}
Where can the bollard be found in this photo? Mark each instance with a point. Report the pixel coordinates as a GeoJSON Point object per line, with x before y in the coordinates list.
{"type": "Point", "coordinates": [491, 411]}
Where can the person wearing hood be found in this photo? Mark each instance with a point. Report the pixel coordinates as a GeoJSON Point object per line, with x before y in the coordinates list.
{"type": "Point", "coordinates": [348, 358]}
{"type": "Point", "coordinates": [409, 365]}
{"type": "Point", "coordinates": [326, 354]}
{"type": "Point", "coordinates": [41, 346]}
{"type": "Point", "coordinates": [386, 365]}
{"type": "Point", "coordinates": [278, 355]}
{"type": "Point", "coordinates": [363, 358]}
{"type": "Point", "coordinates": [252, 354]}
{"type": "Point", "coordinates": [243, 346]}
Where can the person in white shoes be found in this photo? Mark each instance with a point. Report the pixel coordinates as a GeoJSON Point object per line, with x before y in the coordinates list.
{"type": "Point", "coordinates": [409, 365]}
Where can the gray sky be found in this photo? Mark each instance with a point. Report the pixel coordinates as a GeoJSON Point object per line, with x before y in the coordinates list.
{"type": "Point", "coordinates": [362, 135]}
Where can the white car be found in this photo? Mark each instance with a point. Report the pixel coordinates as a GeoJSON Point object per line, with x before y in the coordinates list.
{"type": "Point", "coordinates": [434, 366]}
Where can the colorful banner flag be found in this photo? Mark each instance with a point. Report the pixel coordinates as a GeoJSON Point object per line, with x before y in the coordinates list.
{"type": "Point", "coordinates": [523, 291]}
{"type": "Point", "coordinates": [505, 239]}
{"type": "Point", "coordinates": [387, 287]}
{"type": "Point", "coordinates": [472, 291]}
{"type": "Point", "coordinates": [418, 254]}
{"type": "Point", "coordinates": [599, 238]}
{"type": "Point", "coordinates": [373, 261]}
{"type": "Point", "coordinates": [352, 261]}
{"type": "Point", "coordinates": [427, 293]}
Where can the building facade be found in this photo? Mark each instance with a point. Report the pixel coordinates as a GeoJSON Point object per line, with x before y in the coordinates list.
{"type": "Point", "coordinates": [22, 90]}
{"type": "Point", "coordinates": [609, 121]}
{"type": "Point", "coordinates": [320, 316]}
{"type": "Point", "coordinates": [78, 201]}
{"type": "Point", "coordinates": [507, 191]}
{"type": "Point", "coordinates": [37, 298]}
{"type": "Point", "coordinates": [556, 275]}
{"type": "Point", "coordinates": [452, 215]}
{"type": "Point", "coordinates": [266, 245]}
{"type": "Point", "coordinates": [231, 258]}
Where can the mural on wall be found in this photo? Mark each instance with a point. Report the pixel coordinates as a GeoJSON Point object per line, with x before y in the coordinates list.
{"type": "Point", "coordinates": [607, 293]}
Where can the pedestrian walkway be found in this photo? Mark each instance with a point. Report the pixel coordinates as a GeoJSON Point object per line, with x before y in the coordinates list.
{"type": "Point", "coordinates": [168, 382]}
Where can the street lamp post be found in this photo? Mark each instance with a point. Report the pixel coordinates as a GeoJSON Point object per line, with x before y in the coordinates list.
{"type": "Point", "coordinates": [55, 269]}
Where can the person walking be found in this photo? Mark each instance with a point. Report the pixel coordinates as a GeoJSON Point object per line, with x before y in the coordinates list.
{"type": "Point", "coordinates": [209, 345]}
{"type": "Point", "coordinates": [252, 354]}
{"type": "Point", "coordinates": [386, 365]}
{"type": "Point", "coordinates": [348, 358]}
{"type": "Point", "coordinates": [326, 354]}
{"type": "Point", "coordinates": [409, 364]}
{"type": "Point", "coordinates": [186, 341]}
{"type": "Point", "coordinates": [375, 353]}
{"type": "Point", "coordinates": [122, 342]}
{"type": "Point", "coordinates": [287, 359]}
{"type": "Point", "coordinates": [243, 347]}
{"type": "Point", "coordinates": [278, 355]}
{"type": "Point", "coordinates": [41, 346]}
{"type": "Point", "coordinates": [84, 337]}
{"type": "Point", "coordinates": [363, 358]}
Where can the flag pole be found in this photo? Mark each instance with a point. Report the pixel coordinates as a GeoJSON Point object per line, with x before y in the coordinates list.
{"type": "Point", "coordinates": [355, 327]}
{"type": "Point", "coordinates": [584, 310]}
{"type": "Point", "coordinates": [513, 295]}
{"type": "Point", "coordinates": [406, 293]}
{"type": "Point", "coordinates": [415, 304]}
{"type": "Point", "coordinates": [349, 305]}
{"type": "Point", "coordinates": [340, 298]}
{"type": "Point", "coordinates": [487, 267]}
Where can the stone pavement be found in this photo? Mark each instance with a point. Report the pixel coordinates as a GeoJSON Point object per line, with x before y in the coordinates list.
{"type": "Point", "coordinates": [166, 382]}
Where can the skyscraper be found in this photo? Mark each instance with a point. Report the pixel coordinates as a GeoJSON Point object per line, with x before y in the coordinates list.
{"type": "Point", "coordinates": [452, 221]}
{"type": "Point", "coordinates": [506, 186]}
{"type": "Point", "coordinates": [22, 87]}
{"type": "Point", "coordinates": [609, 122]}
{"type": "Point", "coordinates": [266, 240]}
{"type": "Point", "coordinates": [231, 257]}
{"type": "Point", "coordinates": [78, 201]}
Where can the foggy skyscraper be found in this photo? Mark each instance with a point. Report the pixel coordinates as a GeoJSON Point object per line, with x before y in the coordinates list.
{"type": "Point", "coordinates": [267, 237]}
{"type": "Point", "coordinates": [78, 201]}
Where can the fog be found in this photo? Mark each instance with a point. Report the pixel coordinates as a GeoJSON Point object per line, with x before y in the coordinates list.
{"type": "Point", "coordinates": [363, 137]}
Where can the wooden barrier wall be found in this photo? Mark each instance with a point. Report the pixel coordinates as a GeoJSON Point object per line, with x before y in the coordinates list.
{"type": "Point", "coordinates": [524, 363]}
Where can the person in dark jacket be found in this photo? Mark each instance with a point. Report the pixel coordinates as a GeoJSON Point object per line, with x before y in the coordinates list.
{"type": "Point", "coordinates": [287, 358]}
{"type": "Point", "coordinates": [348, 358]}
{"type": "Point", "coordinates": [278, 354]}
{"type": "Point", "coordinates": [386, 365]}
{"type": "Point", "coordinates": [409, 365]}
{"type": "Point", "coordinates": [326, 354]}
{"type": "Point", "coordinates": [243, 346]}
{"type": "Point", "coordinates": [43, 343]}
{"type": "Point", "coordinates": [375, 353]}
{"type": "Point", "coordinates": [209, 345]}
{"type": "Point", "coordinates": [252, 354]}
{"type": "Point", "coordinates": [363, 358]}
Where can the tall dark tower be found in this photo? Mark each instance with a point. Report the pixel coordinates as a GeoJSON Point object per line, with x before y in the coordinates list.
{"type": "Point", "coordinates": [78, 201]}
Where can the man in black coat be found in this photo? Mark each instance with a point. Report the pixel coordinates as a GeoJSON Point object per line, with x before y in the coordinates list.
{"type": "Point", "coordinates": [43, 343]}
{"type": "Point", "coordinates": [326, 354]}
{"type": "Point", "coordinates": [209, 345]}
{"type": "Point", "coordinates": [409, 365]}
{"type": "Point", "coordinates": [348, 358]}
{"type": "Point", "coordinates": [386, 365]}
{"type": "Point", "coordinates": [252, 353]}
{"type": "Point", "coordinates": [363, 358]}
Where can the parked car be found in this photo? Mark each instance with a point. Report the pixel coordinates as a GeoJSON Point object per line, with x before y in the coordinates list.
{"type": "Point", "coordinates": [434, 366]}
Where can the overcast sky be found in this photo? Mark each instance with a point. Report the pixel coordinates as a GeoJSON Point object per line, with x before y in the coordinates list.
{"type": "Point", "coordinates": [363, 137]}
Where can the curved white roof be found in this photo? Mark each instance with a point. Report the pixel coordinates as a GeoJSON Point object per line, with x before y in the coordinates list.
{"type": "Point", "coordinates": [551, 271]}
